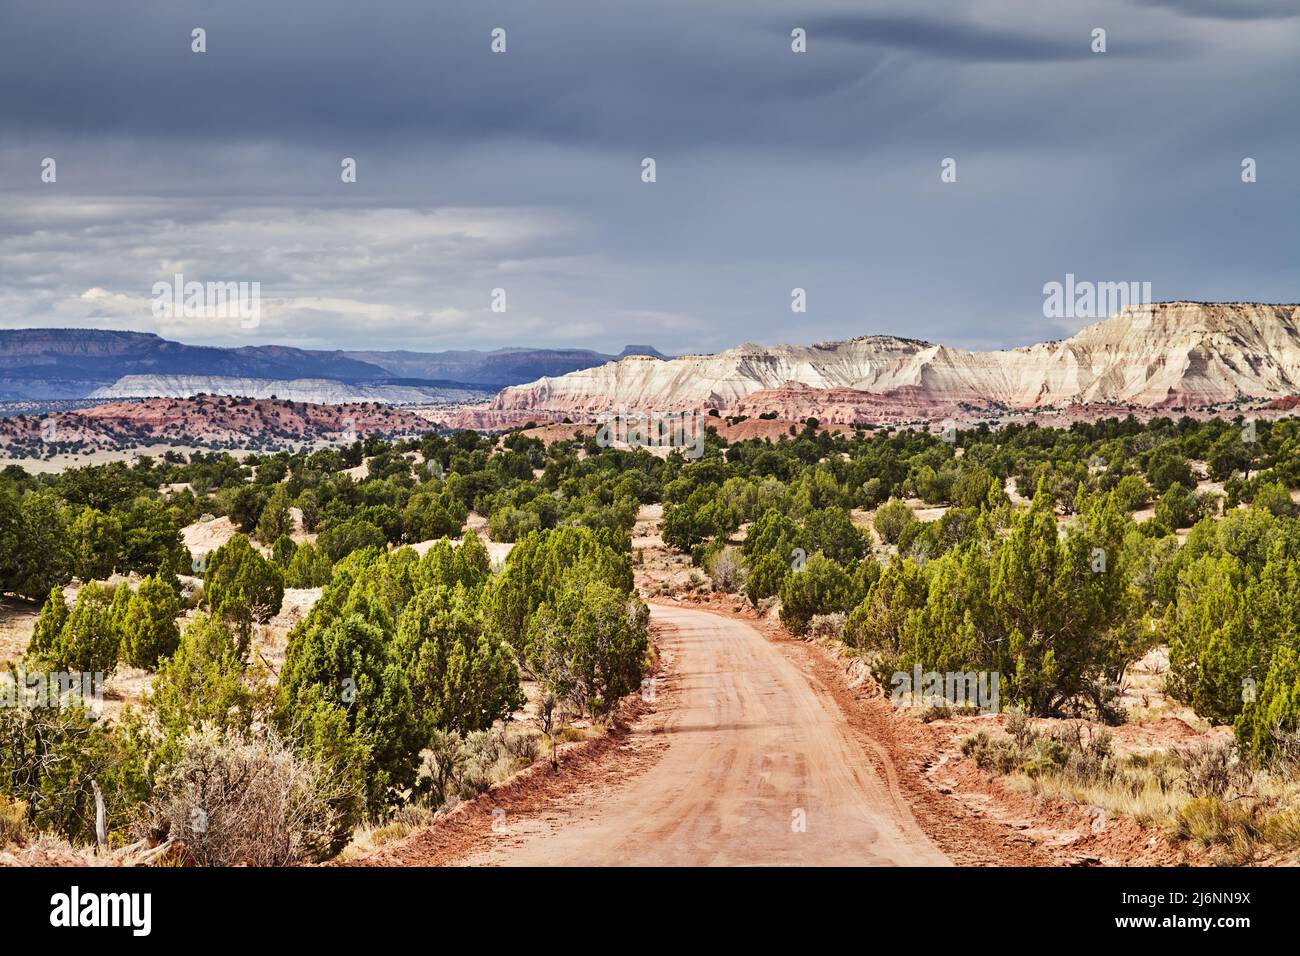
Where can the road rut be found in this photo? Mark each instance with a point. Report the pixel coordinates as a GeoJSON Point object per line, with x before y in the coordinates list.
{"type": "Point", "coordinates": [757, 770]}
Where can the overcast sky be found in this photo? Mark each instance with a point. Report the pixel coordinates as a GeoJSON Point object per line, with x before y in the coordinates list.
{"type": "Point", "coordinates": [522, 170]}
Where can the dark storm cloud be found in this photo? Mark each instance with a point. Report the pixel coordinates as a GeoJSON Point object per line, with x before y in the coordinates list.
{"type": "Point", "coordinates": [574, 73]}
{"type": "Point", "coordinates": [964, 40]}
{"type": "Point", "coordinates": [1230, 9]}
{"type": "Point", "coordinates": [522, 171]}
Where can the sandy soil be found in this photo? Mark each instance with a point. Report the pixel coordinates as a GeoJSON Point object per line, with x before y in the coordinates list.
{"type": "Point", "coordinates": [272, 638]}
{"type": "Point", "coordinates": [497, 550]}
{"type": "Point", "coordinates": [645, 533]}
{"type": "Point", "coordinates": [299, 534]}
{"type": "Point", "coordinates": [17, 618]}
{"type": "Point", "coordinates": [757, 769]}
{"type": "Point", "coordinates": [1017, 499]}
{"type": "Point", "coordinates": [926, 512]}
{"type": "Point", "coordinates": [61, 463]}
{"type": "Point", "coordinates": [204, 537]}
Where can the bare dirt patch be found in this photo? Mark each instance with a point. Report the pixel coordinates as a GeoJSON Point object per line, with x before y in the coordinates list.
{"type": "Point", "coordinates": [17, 619]}
{"type": "Point", "coordinates": [204, 537]}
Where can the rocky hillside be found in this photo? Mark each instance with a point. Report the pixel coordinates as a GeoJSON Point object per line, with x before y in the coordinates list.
{"type": "Point", "coordinates": [208, 421]}
{"type": "Point", "coordinates": [1171, 355]}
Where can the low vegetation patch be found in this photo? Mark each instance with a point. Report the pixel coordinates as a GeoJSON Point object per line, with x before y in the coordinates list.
{"type": "Point", "coordinates": [1206, 795]}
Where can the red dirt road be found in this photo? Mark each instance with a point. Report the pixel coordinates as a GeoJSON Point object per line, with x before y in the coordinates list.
{"type": "Point", "coordinates": [757, 769]}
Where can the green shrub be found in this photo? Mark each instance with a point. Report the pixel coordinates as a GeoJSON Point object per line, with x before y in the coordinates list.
{"type": "Point", "coordinates": [149, 631]}
{"type": "Point", "coordinates": [354, 534]}
{"type": "Point", "coordinates": [241, 586]}
{"type": "Point", "coordinates": [891, 518]}
{"type": "Point", "coordinates": [995, 756]}
{"type": "Point", "coordinates": [309, 568]}
{"type": "Point", "coordinates": [511, 524]}
{"type": "Point", "coordinates": [282, 552]}
{"type": "Point", "coordinates": [205, 681]}
{"type": "Point", "coordinates": [822, 587]}
{"type": "Point", "coordinates": [461, 679]}
{"type": "Point", "coordinates": [766, 575]}
{"type": "Point", "coordinates": [89, 641]}
{"type": "Point", "coordinates": [349, 664]}
{"type": "Point", "coordinates": [52, 757]}
{"type": "Point", "coordinates": [49, 626]}
{"type": "Point", "coordinates": [589, 645]}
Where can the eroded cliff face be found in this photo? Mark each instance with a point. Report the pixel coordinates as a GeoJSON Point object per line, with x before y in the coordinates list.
{"type": "Point", "coordinates": [1166, 355]}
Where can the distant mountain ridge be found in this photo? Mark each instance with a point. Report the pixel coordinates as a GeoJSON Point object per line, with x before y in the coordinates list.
{"type": "Point", "coordinates": [73, 363]}
{"type": "Point", "coordinates": [318, 391]}
{"type": "Point", "coordinates": [1168, 355]}
{"type": "Point", "coordinates": [496, 369]}
{"type": "Point", "coordinates": [76, 363]}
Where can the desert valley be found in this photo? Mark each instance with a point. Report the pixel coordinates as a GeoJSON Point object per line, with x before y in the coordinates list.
{"type": "Point", "coordinates": [846, 496]}
{"type": "Point", "coordinates": [444, 445]}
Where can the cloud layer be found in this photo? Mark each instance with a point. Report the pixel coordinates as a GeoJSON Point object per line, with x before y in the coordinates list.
{"type": "Point", "coordinates": [522, 170]}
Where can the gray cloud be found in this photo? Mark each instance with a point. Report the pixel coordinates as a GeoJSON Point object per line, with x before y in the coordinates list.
{"type": "Point", "coordinates": [522, 171]}
{"type": "Point", "coordinates": [970, 41]}
{"type": "Point", "coordinates": [1229, 9]}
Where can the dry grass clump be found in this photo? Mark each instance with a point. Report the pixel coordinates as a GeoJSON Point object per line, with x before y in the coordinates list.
{"type": "Point", "coordinates": [13, 828]}
{"type": "Point", "coordinates": [727, 570]}
{"type": "Point", "coordinates": [407, 820]}
{"type": "Point", "coordinates": [1206, 794]}
{"type": "Point", "coordinates": [827, 625]}
{"type": "Point", "coordinates": [459, 767]}
{"type": "Point", "coordinates": [456, 767]}
{"type": "Point", "coordinates": [236, 800]}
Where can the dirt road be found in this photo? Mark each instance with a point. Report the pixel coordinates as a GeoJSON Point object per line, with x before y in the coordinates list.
{"type": "Point", "coordinates": [757, 769]}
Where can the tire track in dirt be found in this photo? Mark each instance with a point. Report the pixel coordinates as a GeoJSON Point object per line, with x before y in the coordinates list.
{"type": "Point", "coordinates": [756, 768]}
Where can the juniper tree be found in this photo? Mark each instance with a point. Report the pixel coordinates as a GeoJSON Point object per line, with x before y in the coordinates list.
{"type": "Point", "coordinates": [149, 631]}
{"type": "Point", "coordinates": [49, 625]}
